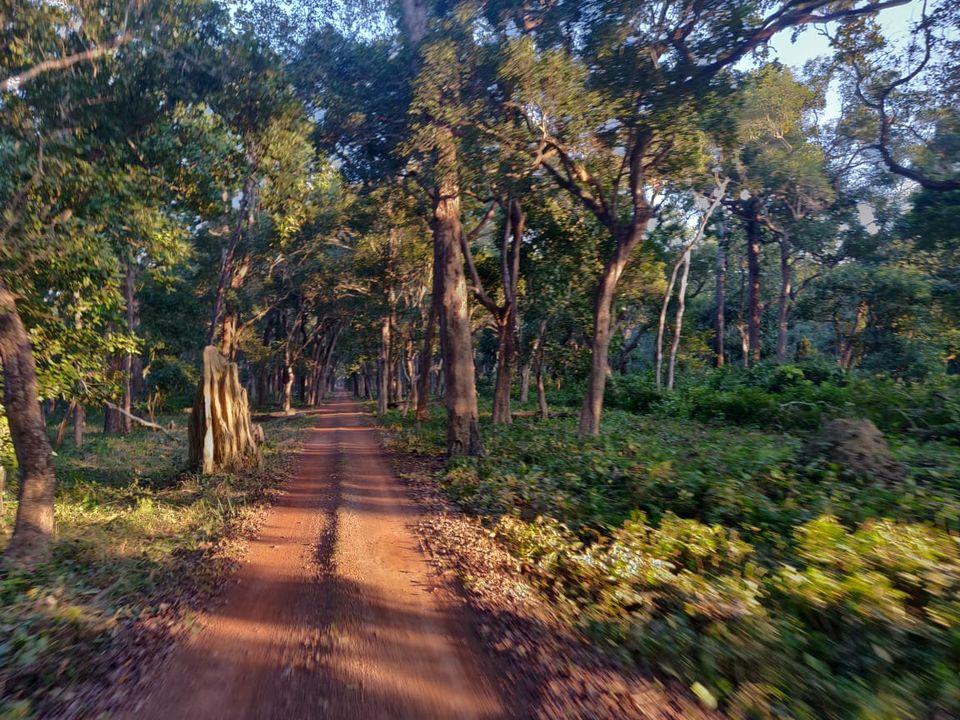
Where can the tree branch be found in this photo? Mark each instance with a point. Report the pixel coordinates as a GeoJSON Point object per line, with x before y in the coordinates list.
{"type": "Point", "coordinates": [14, 82]}
{"type": "Point", "coordinates": [141, 421]}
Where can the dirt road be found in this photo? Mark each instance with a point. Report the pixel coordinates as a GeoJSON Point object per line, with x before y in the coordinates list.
{"type": "Point", "coordinates": [333, 614]}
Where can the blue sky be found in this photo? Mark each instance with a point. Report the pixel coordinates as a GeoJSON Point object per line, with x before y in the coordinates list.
{"type": "Point", "coordinates": [896, 23]}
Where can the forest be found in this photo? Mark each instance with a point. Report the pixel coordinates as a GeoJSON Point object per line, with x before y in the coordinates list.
{"type": "Point", "coordinates": [638, 320]}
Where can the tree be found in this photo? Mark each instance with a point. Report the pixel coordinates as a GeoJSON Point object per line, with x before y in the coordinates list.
{"type": "Point", "coordinates": [504, 314]}
{"type": "Point", "coordinates": [437, 112]}
{"type": "Point", "coordinates": [33, 531]}
{"type": "Point", "coordinates": [616, 99]}
{"type": "Point", "coordinates": [779, 178]}
{"type": "Point", "coordinates": [903, 98]}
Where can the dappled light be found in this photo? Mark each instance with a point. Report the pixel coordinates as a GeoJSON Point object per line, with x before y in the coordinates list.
{"type": "Point", "coordinates": [480, 359]}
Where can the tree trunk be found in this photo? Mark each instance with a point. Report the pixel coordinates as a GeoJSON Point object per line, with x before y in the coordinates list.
{"type": "Point", "coordinates": [393, 376]}
{"type": "Point", "coordinates": [506, 317]}
{"type": "Point", "coordinates": [783, 310]}
{"type": "Point", "coordinates": [506, 366]}
{"type": "Point", "coordinates": [540, 355]}
{"type": "Point", "coordinates": [131, 367]}
{"type": "Point", "coordinates": [288, 378]}
{"type": "Point", "coordinates": [229, 336]}
{"type": "Point", "coordinates": [327, 358]}
{"type": "Point", "coordinates": [744, 343]}
{"type": "Point", "coordinates": [754, 308]}
{"type": "Point", "coordinates": [678, 321]}
{"type": "Point", "coordinates": [662, 326]}
{"type": "Point", "coordinates": [849, 344]}
{"type": "Point", "coordinates": [463, 426]}
{"type": "Point", "coordinates": [719, 317]}
{"type": "Point", "coordinates": [426, 355]}
{"type": "Point", "coordinates": [79, 416]}
{"type": "Point", "coordinates": [396, 378]}
{"type": "Point", "coordinates": [525, 383]}
{"type": "Point", "coordinates": [62, 427]}
{"type": "Point", "coordinates": [602, 314]}
{"type": "Point", "coordinates": [33, 529]}
{"type": "Point", "coordinates": [111, 418]}
{"type": "Point", "coordinates": [368, 381]}
{"type": "Point", "coordinates": [383, 367]}
{"type": "Point", "coordinates": [229, 254]}
{"type": "Point", "coordinates": [220, 432]}
{"type": "Point", "coordinates": [742, 317]}
{"type": "Point", "coordinates": [415, 19]}
{"type": "Point", "coordinates": [411, 373]}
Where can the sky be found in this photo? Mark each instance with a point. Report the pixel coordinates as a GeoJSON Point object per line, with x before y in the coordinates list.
{"type": "Point", "coordinates": [897, 24]}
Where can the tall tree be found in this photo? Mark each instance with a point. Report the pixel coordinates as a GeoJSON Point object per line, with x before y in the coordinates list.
{"type": "Point", "coordinates": [616, 97]}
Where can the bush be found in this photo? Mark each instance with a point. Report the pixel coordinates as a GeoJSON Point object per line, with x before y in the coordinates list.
{"type": "Point", "coordinates": [721, 555]}
{"type": "Point", "coordinates": [635, 393]}
{"type": "Point", "coordinates": [797, 397]}
{"type": "Point", "coordinates": [872, 613]}
{"type": "Point", "coordinates": [175, 380]}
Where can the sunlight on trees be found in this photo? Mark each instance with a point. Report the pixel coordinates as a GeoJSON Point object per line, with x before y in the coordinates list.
{"type": "Point", "coordinates": [598, 204]}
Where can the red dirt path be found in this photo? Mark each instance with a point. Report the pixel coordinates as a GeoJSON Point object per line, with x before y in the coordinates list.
{"type": "Point", "coordinates": [334, 614]}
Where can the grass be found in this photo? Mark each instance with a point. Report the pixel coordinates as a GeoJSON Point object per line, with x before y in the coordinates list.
{"type": "Point", "coordinates": [139, 544]}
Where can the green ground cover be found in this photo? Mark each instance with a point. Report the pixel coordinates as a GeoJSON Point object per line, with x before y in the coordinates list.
{"type": "Point", "coordinates": [138, 541]}
{"type": "Point", "coordinates": [725, 553]}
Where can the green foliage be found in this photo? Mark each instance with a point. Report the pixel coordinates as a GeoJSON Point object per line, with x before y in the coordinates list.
{"type": "Point", "coordinates": [172, 381]}
{"type": "Point", "coordinates": [798, 398]}
{"type": "Point", "coordinates": [137, 541]}
{"type": "Point", "coordinates": [722, 556]}
{"type": "Point", "coordinates": [7, 457]}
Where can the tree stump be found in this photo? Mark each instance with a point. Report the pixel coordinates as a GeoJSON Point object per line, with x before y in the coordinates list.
{"type": "Point", "coordinates": [222, 436]}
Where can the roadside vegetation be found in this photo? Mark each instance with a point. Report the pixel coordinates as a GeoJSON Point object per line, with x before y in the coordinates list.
{"type": "Point", "coordinates": [723, 548]}
{"type": "Point", "coordinates": [720, 261]}
{"type": "Point", "coordinates": [141, 543]}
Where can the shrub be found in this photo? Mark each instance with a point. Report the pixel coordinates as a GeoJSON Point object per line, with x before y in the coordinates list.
{"type": "Point", "coordinates": [636, 393]}
{"type": "Point", "coordinates": [722, 555]}
{"type": "Point", "coordinates": [875, 608]}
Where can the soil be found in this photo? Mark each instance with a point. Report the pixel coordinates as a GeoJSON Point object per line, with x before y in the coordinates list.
{"type": "Point", "coordinates": [549, 669]}
{"type": "Point", "coordinates": [859, 448]}
{"type": "Point", "coordinates": [371, 597]}
{"type": "Point", "coordinates": [335, 612]}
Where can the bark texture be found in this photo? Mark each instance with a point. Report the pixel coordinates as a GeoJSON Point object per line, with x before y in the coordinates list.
{"type": "Point", "coordinates": [754, 308]}
{"type": "Point", "coordinates": [222, 437]}
{"type": "Point", "coordinates": [678, 321]}
{"type": "Point", "coordinates": [79, 419]}
{"type": "Point", "coordinates": [721, 301]}
{"type": "Point", "coordinates": [602, 331]}
{"type": "Point", "coordinates": [383, 367]}
{"type": "Point", "coordinates": [463, 427]}
{"type": "Point", "coordinates": [525, 383]}
{"type": "Point", "coordinates": [132, 365]}
{"type": "Point", "coordinates": [426, 355]}
{"type": "Point", "coordinates": [506, 315]}
{"type": "Point", "coordinates": [33, 529]}
{"type": "Point", "coordinates": [541, 361]}
{"type": "Point", "coordinates": [783, 310]}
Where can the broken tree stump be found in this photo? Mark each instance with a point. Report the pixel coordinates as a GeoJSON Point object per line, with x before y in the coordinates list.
{"type": "Point", "coordinates": [222, 436]}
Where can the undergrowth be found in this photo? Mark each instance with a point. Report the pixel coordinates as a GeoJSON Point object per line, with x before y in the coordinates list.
{"type": "Point", "coordinates": [772, 583]}
{"type": "Point", "coordinates": [137, 540]}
